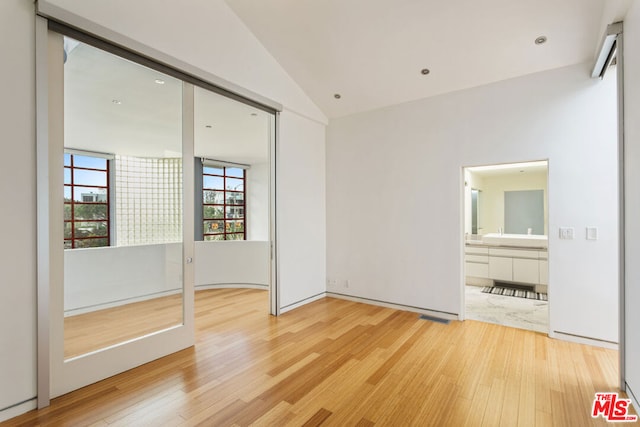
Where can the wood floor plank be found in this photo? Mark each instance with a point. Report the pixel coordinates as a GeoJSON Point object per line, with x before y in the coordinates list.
{"type": "Point", "coordinates": [493, 411]}
{"type": "Point", "coordinates": [364, 423]}
{"type": "Point", "coordinates": [278, 415]}
{"type": "Point", "coordinates": [340, 363]}
{"type": "Point", "coordinates": [318, 418]}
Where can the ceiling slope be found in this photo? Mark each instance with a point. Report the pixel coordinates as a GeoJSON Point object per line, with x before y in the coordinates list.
{"type": "Point", "coordinates": [372, 52]}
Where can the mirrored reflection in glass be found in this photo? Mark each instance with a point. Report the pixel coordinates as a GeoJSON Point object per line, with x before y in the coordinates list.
{"type": "Point", "coordinates": [122, 200]}
{"type": "Point", "coordinates": [233, 170]}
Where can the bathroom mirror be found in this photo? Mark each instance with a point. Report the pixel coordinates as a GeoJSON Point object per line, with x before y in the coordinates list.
{"type": "Point", "coordinates": [123, 200]}
{"type": "Point", "coordinates": [524, 212]}
{"type": "Point", "coordinates": [475, 203]}
{"type": "Point", "coordinates": [506, 198]}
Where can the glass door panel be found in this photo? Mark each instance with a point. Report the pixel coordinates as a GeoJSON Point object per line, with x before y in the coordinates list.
{"type": "Point", "coordinates": [123, 200]}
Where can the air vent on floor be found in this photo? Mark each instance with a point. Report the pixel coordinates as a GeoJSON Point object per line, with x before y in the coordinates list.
{"type": "Point", "coordinates": [435, 319]}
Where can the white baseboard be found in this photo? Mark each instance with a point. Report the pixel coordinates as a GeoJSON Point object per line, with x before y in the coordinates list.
{"type": "Point", "coordinates": [232, 286]}
{"type": "Point", "coordinates": [583, 340]}
{"type": "Point", "coordinates": [302, 302]}
{"type": "Point", "coordinates": [632, 396]}
{"type": "Point", "coordinates": [18, 409]}
{"type": "Point", "coordinates": [434, 313]}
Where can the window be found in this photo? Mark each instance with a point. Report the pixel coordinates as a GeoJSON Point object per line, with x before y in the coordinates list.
{"type": "Point", "coordinates": [223, 203]}
{"type": "Point", "coordinates": [86, 201]}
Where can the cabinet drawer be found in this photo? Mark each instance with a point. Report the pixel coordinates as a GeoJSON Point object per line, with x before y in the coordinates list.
{"type": "Point", "coordinates": [477, 250]}
{"type": "Point", "coordinates": [483, 259]}
{"type": "Point", "coordinates": [514, 253]}
{"type": "Point", "coordinates": [476, 270]}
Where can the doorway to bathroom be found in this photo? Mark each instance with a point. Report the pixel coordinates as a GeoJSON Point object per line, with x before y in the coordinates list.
{"type": "Point", "coordinates": [506, 245]}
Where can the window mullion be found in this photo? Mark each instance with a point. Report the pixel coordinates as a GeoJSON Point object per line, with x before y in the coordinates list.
{"type": "Point", "coordinates": [96, 223]}
{"type": "Point", "coordinates": [107, 222]}
{"type": "Point", "coordinates": [224, 202]}
{"type": "Point", "coordinates": [244, 204]}
{"type": "Point", "coordinates": [73, 205]}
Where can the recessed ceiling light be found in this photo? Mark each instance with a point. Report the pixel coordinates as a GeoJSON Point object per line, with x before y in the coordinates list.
{"type": "Point", "coordinates": [425, 71]}
{"type": "Point", "coordinates": [116, 101]}
{"type": "Point", "coordinates": [254, 114]}
{"type": "Point", "coordinates": [208, 126]}
{"type": "Point", "coordinates": [337, 96]}
{"type": "Point", "coordinates": [541, 39]}
{"type": "Point", "coordinates": [159, 81]}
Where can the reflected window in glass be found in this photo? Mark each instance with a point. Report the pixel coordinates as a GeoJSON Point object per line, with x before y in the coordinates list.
{"type": "Point", "coordinates": [223, 203]}
{"type": "Point", "coordinates": [86, 201]}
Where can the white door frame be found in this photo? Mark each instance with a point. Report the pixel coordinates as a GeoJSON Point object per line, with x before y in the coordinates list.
{"type": "Point", "coordinates": [463, 204]}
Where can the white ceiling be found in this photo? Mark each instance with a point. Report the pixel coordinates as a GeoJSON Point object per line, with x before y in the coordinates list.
{"type": "Point", "coordinates": [147, 120]}
{"type": "Point", "coordinates": [372, 51]}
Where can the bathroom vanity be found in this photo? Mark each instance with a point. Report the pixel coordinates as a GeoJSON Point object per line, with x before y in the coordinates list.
{"type": "Point", "coordinates": [511, 258]}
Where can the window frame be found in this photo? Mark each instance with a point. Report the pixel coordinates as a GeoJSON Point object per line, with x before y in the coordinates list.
{"type": "Point", "coordinates": [224, 205]}
{"type": "Point", "coordinates": [108, 221]}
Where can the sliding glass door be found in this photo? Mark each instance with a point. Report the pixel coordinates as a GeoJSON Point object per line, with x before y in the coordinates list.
{"type": "Point", "coordinates": [136, 162]}
{"type": "Point", "coordinates": [120, 199]}
{"type": "Point", "coordinates": [123, 200]}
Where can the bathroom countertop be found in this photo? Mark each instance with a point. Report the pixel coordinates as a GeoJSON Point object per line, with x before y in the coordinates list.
{"type": "Point", "coordinates": [488, 245]}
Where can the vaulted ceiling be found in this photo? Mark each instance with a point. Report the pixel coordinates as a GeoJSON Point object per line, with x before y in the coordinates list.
{"type": "Point", "coordinates": [371, 52]}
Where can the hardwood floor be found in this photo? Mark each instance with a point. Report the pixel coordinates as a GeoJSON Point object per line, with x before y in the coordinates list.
{"type": "Point", "coordinates": [340, 363]}
{"type": "Point", "coordinates": [88, 332]}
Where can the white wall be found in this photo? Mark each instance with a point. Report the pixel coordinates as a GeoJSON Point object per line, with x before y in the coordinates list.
{"type": "Point", "coordinates": [98, 277]}
{"type": "Point", "coordinates": [258, 202]}
{"type": "Point", "coordinates": [632, 195]}
{"type": "Point", "coordinates": [301, 209]}
{"type": "Point", "coordinates": [394, 192]}
{"type": "Point", "coordinates": [231, 262]}
{"type": "Point", "coordinates": [18, 215]}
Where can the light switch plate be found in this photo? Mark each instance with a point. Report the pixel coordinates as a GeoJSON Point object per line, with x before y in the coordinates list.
{"type": "Point", "coordinates": [592, 233]}
{"type": "Point", "coordinates": [566, 233]}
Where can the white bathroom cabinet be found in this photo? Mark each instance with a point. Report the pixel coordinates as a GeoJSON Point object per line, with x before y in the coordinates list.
{"type": "Point", "coordinates": [507, 264]}
{"type": "Point", "coordinates": [500, 268]}
{"type": "Point", "coordinates": [477, 261]}
{"type": "Point", "coordinates": [544, 272]}
{"type": "Point", "coordinates": [526, 270]}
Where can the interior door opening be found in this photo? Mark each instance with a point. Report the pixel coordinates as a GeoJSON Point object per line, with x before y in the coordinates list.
{"type": "Point", "coordinates": [506, 245]}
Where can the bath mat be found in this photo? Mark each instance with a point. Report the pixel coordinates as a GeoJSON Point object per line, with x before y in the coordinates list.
{"type": "Point", "coordinates": [519, 293]}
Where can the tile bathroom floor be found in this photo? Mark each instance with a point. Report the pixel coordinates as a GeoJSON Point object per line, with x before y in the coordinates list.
{"type": "Point", "coordinates": [516, 312]}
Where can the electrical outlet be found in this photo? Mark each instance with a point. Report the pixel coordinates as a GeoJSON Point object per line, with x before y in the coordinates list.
{"type": "Point", "coordinates": [332, 282]}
